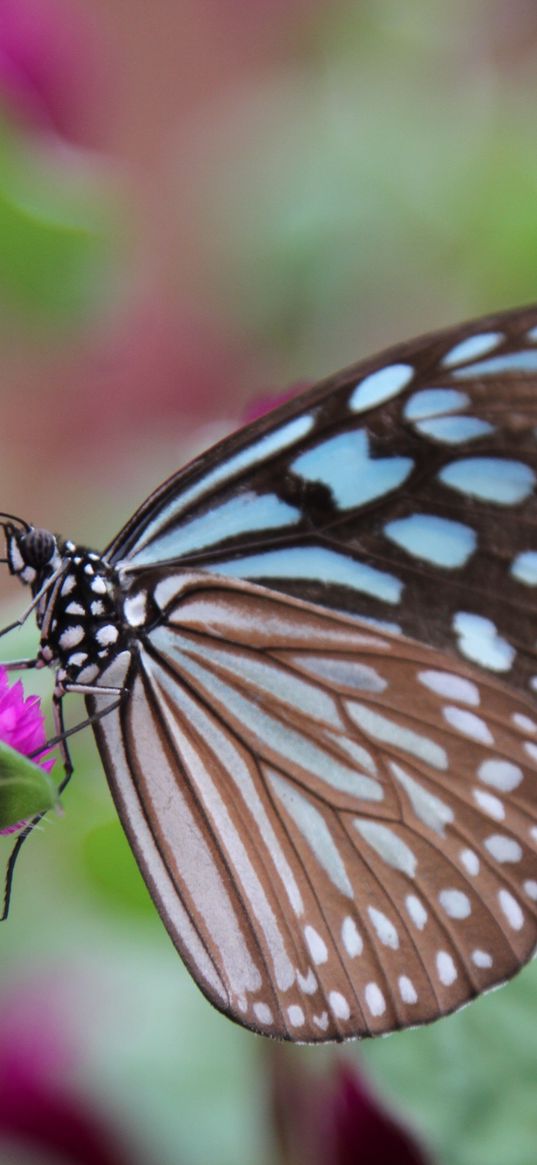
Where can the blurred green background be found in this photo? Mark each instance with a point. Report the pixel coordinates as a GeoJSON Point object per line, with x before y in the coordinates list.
{"type": "Point", "coordinates": [201, 203]}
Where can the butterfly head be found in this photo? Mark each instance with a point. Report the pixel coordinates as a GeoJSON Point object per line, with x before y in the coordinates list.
{"type": "Point", "coordinates": [32, 553]}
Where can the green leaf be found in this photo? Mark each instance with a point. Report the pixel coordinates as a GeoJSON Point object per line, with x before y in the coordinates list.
{"type": "Point", "coordinates": [25, 788]}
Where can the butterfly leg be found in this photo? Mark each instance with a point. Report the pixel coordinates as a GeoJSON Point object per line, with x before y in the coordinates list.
{"type": "Point", "coordinates": [21, 664]}
{"type": "Point", "coordinates": [62, 733]}
{"type": "Point", "coordinates": [31, 606]}
{"type": "Point", "coordinates": [31, 825]}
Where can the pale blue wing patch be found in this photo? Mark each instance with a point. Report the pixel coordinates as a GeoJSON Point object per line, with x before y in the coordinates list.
{"type": "Point", "coordinates": [343, 464]}
{"type": "Point", "coordinates": [251, 457]}
{"type": "Point", "coordinates": [314, 563]}
{"type": "Point", "coordinates": [314, 830]}
{"type": "Point", "coordinates": [524, 567]}
{"type": "Point", "coordinates": [440, 541]}
{"type": "Point", "coordinates": [244, 514]}
{"type": "Point", "coordinates": [455, 430]}
{"type": "Point", "coordinates": [491, 479]}
{"type": "Point", "coordinates": [472, 348]}
{"type": "Point", "coordinates": [380, 386]}
{"type": "Point", "coordinates": [480, 642]}
{"type": "Point", "coordinates": [523, 362]}
{"type": "Point", "coordinates": [434, 402]}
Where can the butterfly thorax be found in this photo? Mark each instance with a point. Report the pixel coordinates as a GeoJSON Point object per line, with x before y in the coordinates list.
{"type": "Point", "coordinates": [78, 613]}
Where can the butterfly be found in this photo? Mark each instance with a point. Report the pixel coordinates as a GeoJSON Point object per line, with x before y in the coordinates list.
{"type": "Point", "coordinates": [309, 662]}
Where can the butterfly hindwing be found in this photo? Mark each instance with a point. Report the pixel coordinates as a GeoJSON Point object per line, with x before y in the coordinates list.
{"type": "Point", "coordinates": [331, 857]}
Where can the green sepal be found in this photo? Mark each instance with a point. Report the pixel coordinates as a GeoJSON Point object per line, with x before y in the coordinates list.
{"type": "Point", "coordinates": [25, 788]}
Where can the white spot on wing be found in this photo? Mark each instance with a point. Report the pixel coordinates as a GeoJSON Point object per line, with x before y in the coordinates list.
{"type": "Point", "coordinates": [455, 903]}
{"type": "Point", "coordinates": [489, 804]}
{"type": "Point", "coordinates": [384, 927]}
{"type": "Point", "coordinates": [524, 723]}
{"type": "Point", "coordinates": [500, 774]}
{"type": "Point", "coordinates": [307, 983]}
{"type": "Point", "coordinates": [374, 999]}
{"type": "Point", "coordinates": [352, 939]}
{"type": "Point", "coordinates": [135, 609]}
{"type": "Point", "coordinates": [407, 990]}
{"type": "Point", "coordinates": [416, 910]}
{"type": "Point", "coordinates": [430, 809]}
{"type": "Point", "coordinates": [339, 1005]}
{"type": "Point", "coordinates": [316, 945]}
{"type": "Point", "coordinates": [470, 861]}
{"type": "Point", "coordinates": [452, 686]}
{"type": "Point", "coordinates": [349, 673]}
{"type": "Point", "coordinates": [511, 909]}
{"type": "Point", "coordinates": [447, 971]}
{"type": "Point", "coordinates": [314, 829]}
{"type": "Point", "coordinates": [263, 1013]}
{"type": "Point", "coordinates": [468, 724]}
{"type": "Point", "coordinates": [389, 732]}
{"type": "Point", "coordinates": [296, 1015]}
{"type": "Point", "coordinates": [503, 849]}
{"type": "Point", "coordinates": [482, 959]}
{"type": "Point", "coordinates": [390, 847]}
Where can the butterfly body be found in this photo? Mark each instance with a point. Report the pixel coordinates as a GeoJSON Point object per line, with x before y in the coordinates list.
{"type": "Point", "coordinates": [322, 639]}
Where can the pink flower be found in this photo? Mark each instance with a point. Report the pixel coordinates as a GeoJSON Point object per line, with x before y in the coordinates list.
{"type": "Point", "coordinates": [41, 1111]}
{"type": "Point", "coordinates": [47, 64]}
{"type": "Point", "coordinates": [271, 400]}
{"type": "Point", "coordinates": [22, 724]}
{"type": "Point", "coordinates": [22, 727]}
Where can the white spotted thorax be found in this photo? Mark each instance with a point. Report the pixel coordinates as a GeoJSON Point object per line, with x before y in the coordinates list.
{"type": "Point", "coordinates": [322, 635]}
{"type": "Point", "coordinates": [79, 615]}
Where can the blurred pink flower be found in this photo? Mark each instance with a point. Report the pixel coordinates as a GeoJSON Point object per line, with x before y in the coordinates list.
{"type": "Point", "coordinates": [39, 1111]}
{"type": "Point", "coordinates": [268, 401]}
{"type": "Point", "coordinates": [335, 1119]}
{"type": "Point", "coordinates": [22, 724]}
{"type": "Point", "coordinates": [22, 727]}
{"type": "Point", "coordinates": [48, 64]}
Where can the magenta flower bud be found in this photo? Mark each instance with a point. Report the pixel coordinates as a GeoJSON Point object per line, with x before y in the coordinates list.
{"type": "Point", "coordinates": [22, 727]}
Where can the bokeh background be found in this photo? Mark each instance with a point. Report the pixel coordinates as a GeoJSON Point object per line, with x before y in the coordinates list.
{"type": "Point", "coordinates": [203, 202]}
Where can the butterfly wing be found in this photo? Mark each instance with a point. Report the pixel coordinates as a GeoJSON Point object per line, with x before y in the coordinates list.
{"type": "Point", "coordinates": [401, 489]}
{"type": "Point", "coordinates": [338, 828]}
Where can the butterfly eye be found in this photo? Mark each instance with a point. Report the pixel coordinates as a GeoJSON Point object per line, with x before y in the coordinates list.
{"type": "Point", "coordinates": [37, 547]}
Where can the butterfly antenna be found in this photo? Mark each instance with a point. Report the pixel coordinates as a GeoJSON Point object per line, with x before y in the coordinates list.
{"type": "Point", "coordinates": [4, 518]}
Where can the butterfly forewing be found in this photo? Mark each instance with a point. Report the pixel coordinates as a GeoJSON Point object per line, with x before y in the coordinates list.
{"type": "Point", "coordinates": [401, 489]}
{"type": "Point", "coordinates": [343, 825]}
